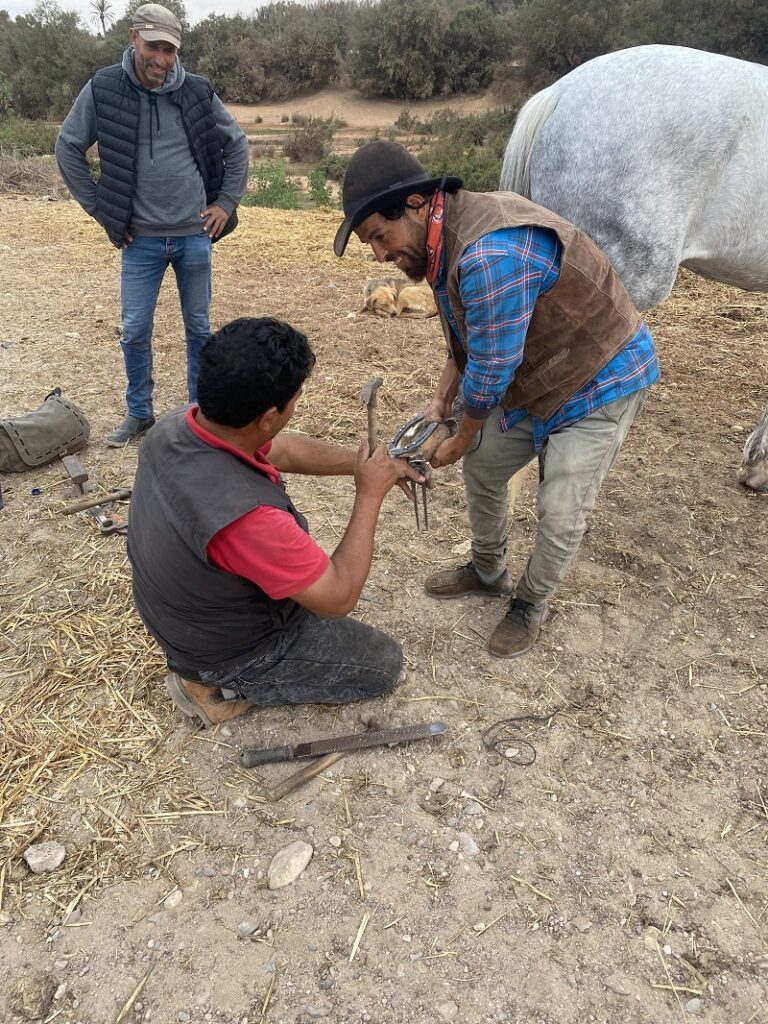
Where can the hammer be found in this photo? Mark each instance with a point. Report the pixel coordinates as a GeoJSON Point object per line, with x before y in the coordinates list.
{"type": "Point", "coordinates": [368, 398]}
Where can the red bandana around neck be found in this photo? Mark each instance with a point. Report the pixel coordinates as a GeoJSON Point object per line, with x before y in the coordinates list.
{"type": "Point", "coordinates": [435, 236]}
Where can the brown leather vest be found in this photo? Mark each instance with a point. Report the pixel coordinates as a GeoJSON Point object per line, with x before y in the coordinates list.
{"type": "Point", "coordinates": [577, 327]}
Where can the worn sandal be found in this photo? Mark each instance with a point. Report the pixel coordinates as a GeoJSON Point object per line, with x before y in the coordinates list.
{"type": "Point", "coordinates": [183, 701]}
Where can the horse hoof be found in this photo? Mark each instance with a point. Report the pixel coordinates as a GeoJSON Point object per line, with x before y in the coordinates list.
{"type": "Point", "coordinates": [754, 477]}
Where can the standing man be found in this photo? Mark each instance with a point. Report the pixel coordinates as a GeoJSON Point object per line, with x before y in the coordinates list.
{"type": "Point", "coordinates": [248, 609]}
{"type": "Point", "coordinates": [174, 166]}
{"type": "Point", "coordinates": [545, 348]}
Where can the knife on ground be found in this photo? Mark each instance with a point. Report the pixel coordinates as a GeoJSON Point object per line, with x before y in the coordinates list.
{"type": "Point", "coordinates": [252, 756]}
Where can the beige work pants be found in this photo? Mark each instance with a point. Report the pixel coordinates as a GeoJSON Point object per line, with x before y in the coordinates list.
{"type": "Point", "coordinates": [575, 463]}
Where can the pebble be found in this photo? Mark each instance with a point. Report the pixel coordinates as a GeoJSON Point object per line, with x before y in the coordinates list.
{"type": "Point", "coordinates": [666, 950]}
{"type": "Point", "coordinates": [454, 846]}
{"type": "Point", "coordinates": [288, 864]}
{"type": "Point", "coordinates": [473, 808]}
{"type": "Point", "coordinates": [239, 803]}
{"type": "Point", "coordinates": [651, 937]}
{"type": "Point", "coordinates": [5, 918]}
{"type": "Point", "coordinates": [226, 731]}
{"type": "Point", "coordinates": [205, 872]}
{"type": "Point", "coordinates": [468, 845]}
{"type": "Point", "coordinates": [73, 916]}
{"type": "Point", "coordinates": [436, 785]}
{"type": "Point", "coordinates": [317, 1011]}
{"type": "Point", "coordinates": [173, 899]}
{"type": "Point", "coordinates": [183, 1016]}
{"type": "Point", "coordinates": [245, 929]}
{"type": "Point", "coordinates": [335, 841]}
{"type": "Point", "coordinates": [42, 857]}
{"type": "Point", "coordinates": [581, 924]}
{"type": "Point", "coordinates": [448, 1010]}
{"type": "Point", "coordinates": [618, 983]}
{"type": "Point", "coordinates": [479, 927]}
{"type": "Point", "coordinates": [693, 1006]}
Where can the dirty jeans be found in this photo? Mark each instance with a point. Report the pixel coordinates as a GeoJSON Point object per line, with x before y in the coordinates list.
{"type": "Point", "coordinates": [145, 261]}
{"type": "Point", "coordinates": [322, 661]}
{"type": "Point", "coordinates": [575, 463]}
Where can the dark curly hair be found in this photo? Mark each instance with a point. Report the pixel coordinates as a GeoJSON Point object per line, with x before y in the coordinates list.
{"type": "Point", "coordinates": [250, 365]}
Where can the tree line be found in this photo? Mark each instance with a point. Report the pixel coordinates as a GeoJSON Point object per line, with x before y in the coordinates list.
{"type": "Point", "coordinates": [406, 49]}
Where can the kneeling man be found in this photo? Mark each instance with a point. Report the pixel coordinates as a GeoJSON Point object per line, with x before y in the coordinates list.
{"type": "Point", "coordinates": [247, 608]}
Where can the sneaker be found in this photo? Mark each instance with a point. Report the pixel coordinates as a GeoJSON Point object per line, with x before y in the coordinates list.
{"type": "Point", "coordinates": [519, 630]}
{"type": "Point", "coordinates": [129, 430]}
{"type": "Point", "coordinates": [464, 580]}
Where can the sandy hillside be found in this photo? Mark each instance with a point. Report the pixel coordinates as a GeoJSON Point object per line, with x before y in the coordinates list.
{"type": "Point", "coordinates": [620, 878]}
{"type": "Point", "coordinates": [358, 112]}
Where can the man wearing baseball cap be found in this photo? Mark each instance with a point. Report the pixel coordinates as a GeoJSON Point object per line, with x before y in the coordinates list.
{"type": "Point", "coordinates": [545, 350]}
{"type": "Point", "coordinates": [174, 166]}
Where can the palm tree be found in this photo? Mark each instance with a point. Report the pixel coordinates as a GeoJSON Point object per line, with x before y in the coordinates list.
{"type": "Point", "coordinates": [102, 14]}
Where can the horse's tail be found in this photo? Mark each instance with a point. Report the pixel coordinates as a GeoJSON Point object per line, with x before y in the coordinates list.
{"type": "Point", "coordinates": [516, 167]}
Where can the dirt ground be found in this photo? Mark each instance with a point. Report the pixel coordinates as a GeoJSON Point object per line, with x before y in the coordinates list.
{"type": "Point", "coordinates": [619, 878]}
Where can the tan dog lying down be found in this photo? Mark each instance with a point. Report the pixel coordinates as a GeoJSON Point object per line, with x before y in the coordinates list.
{"type": "Point", "coordinates": [389, 296]}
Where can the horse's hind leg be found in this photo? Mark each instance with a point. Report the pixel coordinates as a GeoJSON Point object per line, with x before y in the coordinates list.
{"type": "Point", "coordinates": [754, 468]}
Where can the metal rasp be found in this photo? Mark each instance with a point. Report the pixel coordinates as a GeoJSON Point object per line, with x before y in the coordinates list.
{"type": "Point", "coordinates": [252, 756]}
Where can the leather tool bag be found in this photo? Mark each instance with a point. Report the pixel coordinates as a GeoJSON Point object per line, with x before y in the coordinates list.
{"type": "Point", "coordinates": [55, 428]}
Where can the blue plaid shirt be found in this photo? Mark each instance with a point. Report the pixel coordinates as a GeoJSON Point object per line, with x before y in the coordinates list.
{"type": "Point", "coordinates": [501, 276]}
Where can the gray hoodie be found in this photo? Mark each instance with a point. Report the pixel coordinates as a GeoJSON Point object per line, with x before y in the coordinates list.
{"type": "Point", "coordinates": [169, 195]}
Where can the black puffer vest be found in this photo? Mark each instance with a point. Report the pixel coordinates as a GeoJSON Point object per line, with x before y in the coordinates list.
{"type": "Point", "coordinates": [117, 101]}
{"type": "Point", "coordinates": [185, 491]}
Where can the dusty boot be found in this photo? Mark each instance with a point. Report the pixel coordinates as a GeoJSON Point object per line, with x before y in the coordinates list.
{"type": "Point", "coordinates": [459, 582]}
{"type": "Point", "coordinates": [204, 702]}
{"type": "Point", "coordinates": [519, 629]}
{"type": "Point", "coordinates": [129, 430]}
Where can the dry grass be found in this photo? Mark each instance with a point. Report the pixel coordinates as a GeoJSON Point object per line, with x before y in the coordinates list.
{"type": "Point", "coordinates": [30, 175]}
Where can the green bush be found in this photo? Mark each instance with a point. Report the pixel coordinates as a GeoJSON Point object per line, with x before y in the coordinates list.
{"type": "Point", "coordinates": [27, 138]}
{"type": "Point", "coordinates": [319, 189]}
{"type": "Point", "coordinates": [299, 119]}
{"type": "Point", "coordinates": [284, 119]}
{"type": "Point", "coordinates": [470, 147]}
{"type": "Point", "coordinates": [310, 142]}
{"type": "Point", "coordinates": [408, 122]}
{"type": "Point", "coordinates": [334, 166]}
{"type": "Point", "coordinates": [270, 186]}
{"type": "Point", "coordinates": [6, 104]}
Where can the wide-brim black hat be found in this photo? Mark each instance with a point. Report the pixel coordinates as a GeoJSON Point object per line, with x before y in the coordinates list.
{"type": "Point", "coordinates": [379, 174]}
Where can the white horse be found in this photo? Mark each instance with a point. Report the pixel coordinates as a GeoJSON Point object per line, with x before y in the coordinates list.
{"type": "Point", "coordinates": [659, 153]}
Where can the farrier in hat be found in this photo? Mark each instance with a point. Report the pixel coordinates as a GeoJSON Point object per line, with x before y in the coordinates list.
{"type": "Point", "coordinates": [546, 352]}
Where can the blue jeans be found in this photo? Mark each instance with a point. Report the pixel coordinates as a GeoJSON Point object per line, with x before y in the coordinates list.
{"type": "Point", "coordinates": [144, 264]}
